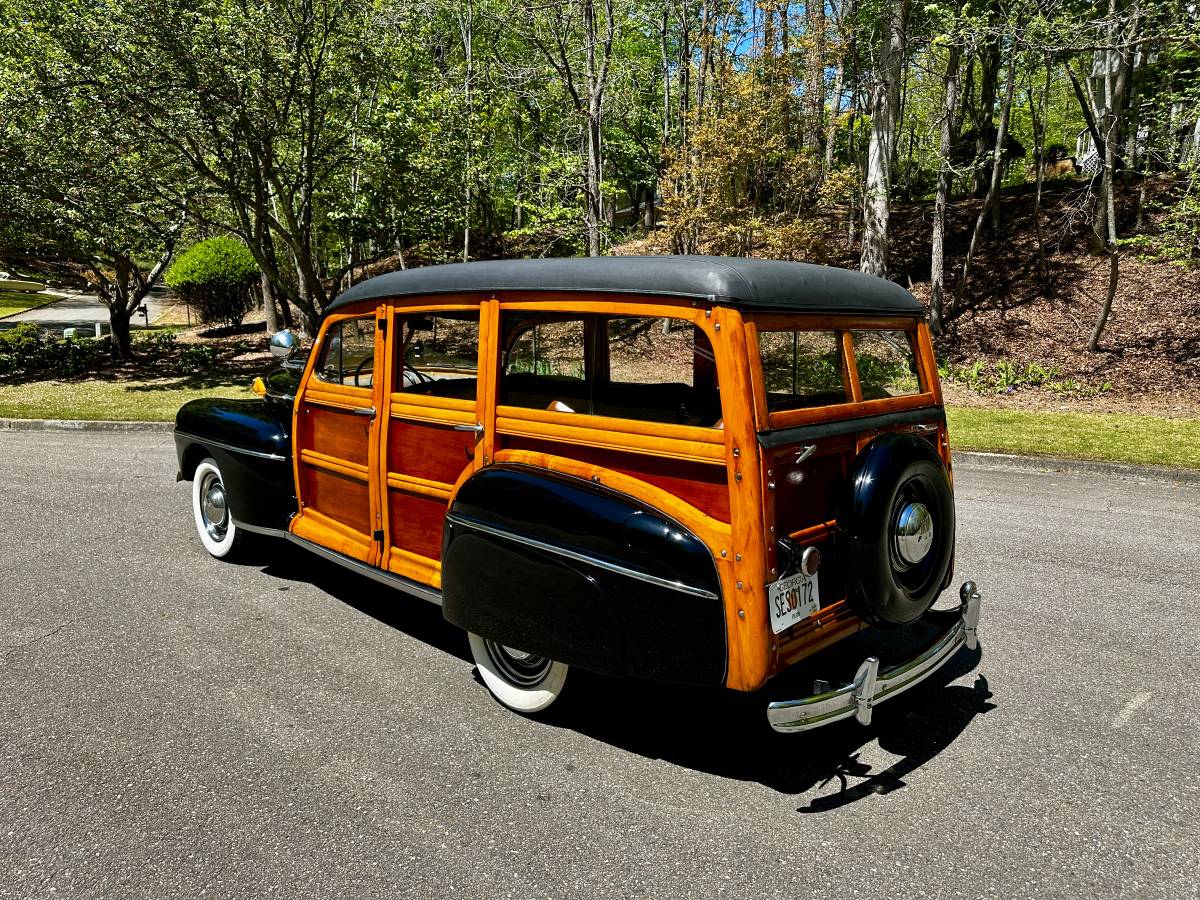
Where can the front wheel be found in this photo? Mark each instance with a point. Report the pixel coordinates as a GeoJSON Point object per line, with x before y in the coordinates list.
{"type": "Point", "coordinates": [210, 506]}
{"type": "Point", "coordinates": [521, 681]}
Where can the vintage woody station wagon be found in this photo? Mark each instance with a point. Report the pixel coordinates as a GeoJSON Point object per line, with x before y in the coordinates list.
{"type": "Point", "coordinates": [691, 469]}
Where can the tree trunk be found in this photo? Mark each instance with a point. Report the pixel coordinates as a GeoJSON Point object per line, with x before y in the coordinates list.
{"type": "Point", "coordinates": [268, 299]}
{"type": "Point", "coordinates": [997, 168]}
{"type": "Point", "coordinates": [989, 76]}
{"type": "Point", "coordinates": [118, 323]}
{"type": "Point", "coordinates": [885, 101]}
{"type": "Point", "coordinates": [814, 74]}
{"type": "Point", "coordinates": [937, 268]}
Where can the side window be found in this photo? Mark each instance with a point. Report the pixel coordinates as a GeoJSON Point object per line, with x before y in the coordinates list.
{"type": "Point", "coordinates": [887, 365]}
{"type": "Point", "coordinates": [631, 367]}
{"type": "Point", "coordinates": [438, 354]}
{"type": "Point", "coordinates": [348, 356]}
{"type": "Point", "coordinates": [659, 370]}
{"type": "Point", "coordinates": [545, 364]}
{"type": "Point", "coordinates": [801, 368]}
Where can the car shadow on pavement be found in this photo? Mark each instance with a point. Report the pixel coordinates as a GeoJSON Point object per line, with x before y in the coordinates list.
{"type": "Point", "coordinates": [417, 618]}
{"type": "Point", "coordinates": [713, 730]}
{"type": "Point", "coordinates": [726, 734]}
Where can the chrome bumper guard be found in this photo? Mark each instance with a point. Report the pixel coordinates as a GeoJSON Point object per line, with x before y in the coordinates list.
{"type": "Point", "coordinates": [871, 687]}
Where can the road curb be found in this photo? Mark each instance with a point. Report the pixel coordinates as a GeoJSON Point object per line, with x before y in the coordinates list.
{"type": "Point", "coordinates": [1064, 466]}
{"type": "Point", "coordinates": [81, 425]}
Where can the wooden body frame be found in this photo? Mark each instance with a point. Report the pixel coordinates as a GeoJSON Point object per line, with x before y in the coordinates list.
{"type": "Point", "coordinates": [741, 540]}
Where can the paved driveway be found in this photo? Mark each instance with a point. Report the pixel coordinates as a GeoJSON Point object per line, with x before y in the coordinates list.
{"type": "Point", "coordinates": [171, 725]}
{"type": "Point", "coordinates": [84, 310]}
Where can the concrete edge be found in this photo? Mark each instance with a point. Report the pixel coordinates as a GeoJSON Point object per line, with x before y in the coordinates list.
{"type": "Point", "coordinates": [82, 425]}
{"type": "Point", "coordinates": [1065, 466]}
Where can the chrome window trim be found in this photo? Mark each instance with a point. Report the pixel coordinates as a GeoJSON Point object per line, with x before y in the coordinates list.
{"type": "Point", "coordinates": [209, 442]}
{"type": "Point", "coordinates": [583, 558]}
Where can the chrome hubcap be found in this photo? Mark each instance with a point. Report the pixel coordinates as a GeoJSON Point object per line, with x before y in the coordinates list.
{"type": "Point", "coordinates": [914, 533]}
{"type": "Point", "coordinates": [213, 508]}
{"type": "Point", "coordinates": [518, 667]}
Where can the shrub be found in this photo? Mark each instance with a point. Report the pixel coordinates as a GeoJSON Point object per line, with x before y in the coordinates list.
{"type": "Point", "coordinates": [24, 349]}
{"type": "Point", "coordinates": [215, 278]}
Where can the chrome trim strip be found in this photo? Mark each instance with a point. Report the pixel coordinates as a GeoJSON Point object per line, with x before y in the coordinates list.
{"type": "Point", "coordinates": [260, 529]}
{"type": "Point", "coordinates": [871, 687]}
{"type": "Point", "coordinates": [407, 585]}
{"type": "Point", "coordinates": [580, 557]}
{"type": "Point", "coordinates": [232, 449]}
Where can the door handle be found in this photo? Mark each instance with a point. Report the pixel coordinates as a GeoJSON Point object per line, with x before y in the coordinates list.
{"type": "Point", "coordinates": [364, 411]}
{"type": "Point", "coordinates": [476, 429]}
{"type": "Point", "coordinates": [805, 452]}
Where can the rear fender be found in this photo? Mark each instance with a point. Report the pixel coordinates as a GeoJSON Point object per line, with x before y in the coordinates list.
{"type": "Point", "coordinates": [574, 571]}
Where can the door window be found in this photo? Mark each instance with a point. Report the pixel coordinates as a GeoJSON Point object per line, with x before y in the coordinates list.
{"type": "Point", "coordinates": [438, 354]}
{"type": "Point", "coordinates": [348, 356]}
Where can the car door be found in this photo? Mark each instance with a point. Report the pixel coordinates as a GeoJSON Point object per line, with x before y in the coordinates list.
{"type": "Point", "coordinates": [335, 443]}
{"type": "Point", "coordinates": [433, 435]}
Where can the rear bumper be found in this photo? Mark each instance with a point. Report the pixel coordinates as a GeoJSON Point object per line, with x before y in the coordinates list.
{"type": "Point", "coordinates": [871, 687]}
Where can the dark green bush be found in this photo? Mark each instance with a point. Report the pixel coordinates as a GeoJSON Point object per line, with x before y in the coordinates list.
{"type": "Point", "coordinates": [24, 349]}
{"type": "Point", "coordinates": [216, 278]}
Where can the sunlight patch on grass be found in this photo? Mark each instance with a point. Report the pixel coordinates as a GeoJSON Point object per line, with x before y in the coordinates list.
{"type": "Point", "coordinates": [1112, 437]}
{"type": "Point", "coordinates": [144, 401]}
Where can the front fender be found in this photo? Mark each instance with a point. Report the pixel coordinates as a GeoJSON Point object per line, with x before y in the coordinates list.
{"type": "Point", "coordinates": [251, 443]}
{"type": "Point", "coordinates": [579, 573]}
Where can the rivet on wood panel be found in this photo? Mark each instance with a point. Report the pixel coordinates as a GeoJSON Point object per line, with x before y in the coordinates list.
{"type": "Point", "coordinates": [741, 612]}
{"type": "Point", "coordinates": [723, 554]}
{"type": "Point", "coordinates": [737, 452]}
{"type": "Point", "coordinates": [738, 557]}
{"type": "Point", "coordinates": [737, 476]}
{"type": "Point", "coordinates": [739, 588]}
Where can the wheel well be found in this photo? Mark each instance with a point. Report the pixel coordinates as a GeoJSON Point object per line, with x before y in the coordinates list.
{"type": "Point", "coordinates": [192, 457]}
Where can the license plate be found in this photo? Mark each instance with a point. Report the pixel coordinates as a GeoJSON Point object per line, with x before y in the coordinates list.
{"type": "Point", "coordinates": [792, 599]}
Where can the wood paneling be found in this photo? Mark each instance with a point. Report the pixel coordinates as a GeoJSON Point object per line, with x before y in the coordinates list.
{"type": "Point", "coordinates": [699, 485]}
{"type": "Point", "coordinates": [339, 497]}
{"type": "Point", "coordinates": [415, 523]}
{"type": "Point", "coordinates": [343, 435]}
{"type": "Point", "coordinates": [431, 452]}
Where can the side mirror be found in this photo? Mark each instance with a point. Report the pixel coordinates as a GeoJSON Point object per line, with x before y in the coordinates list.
{"type": "Point", "coordinates": [284, 344]}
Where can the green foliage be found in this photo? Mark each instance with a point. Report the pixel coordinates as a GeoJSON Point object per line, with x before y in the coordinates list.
{"type": "Point", "coordinates": [1006, 377]}
{"type": "Point", "coordinates": [24, 349]}
{"type": "Point", "coordinates": [215, 278]}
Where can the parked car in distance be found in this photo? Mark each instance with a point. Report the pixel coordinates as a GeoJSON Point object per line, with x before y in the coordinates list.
{"type": "Point", "coordinates": [690, 469]}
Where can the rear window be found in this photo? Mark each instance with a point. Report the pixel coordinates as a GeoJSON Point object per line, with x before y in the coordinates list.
{"type": "Point", "coordinates": [801, 368]}
{"type": "Point", "coordinates": [887, 364]}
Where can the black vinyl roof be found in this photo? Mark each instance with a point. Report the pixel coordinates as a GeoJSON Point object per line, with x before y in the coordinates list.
{"type": "Point", "coordinates": [758, 284]}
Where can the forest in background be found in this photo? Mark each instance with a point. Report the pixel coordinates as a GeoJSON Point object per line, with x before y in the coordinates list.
{"type": "Point", "coordinates": [954, 148]}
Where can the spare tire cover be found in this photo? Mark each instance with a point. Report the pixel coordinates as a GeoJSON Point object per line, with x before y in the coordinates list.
{"type": "Point", "coordinates": [896, 527]}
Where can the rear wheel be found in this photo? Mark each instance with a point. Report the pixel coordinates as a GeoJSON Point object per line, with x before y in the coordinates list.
{"type": "Point", "coordinates": [522, 681]}
{"type": "Point", "coordinates": [210, 507]}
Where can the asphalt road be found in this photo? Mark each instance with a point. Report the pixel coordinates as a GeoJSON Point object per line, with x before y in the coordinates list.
{"type": "Point", "coordinates": [176, 726]}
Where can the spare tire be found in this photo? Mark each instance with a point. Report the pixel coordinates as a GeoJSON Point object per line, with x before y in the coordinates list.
{"type": "Point", "coordinates": [896, 528]}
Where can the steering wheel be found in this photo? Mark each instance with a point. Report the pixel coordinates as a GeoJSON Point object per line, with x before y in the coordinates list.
{"type": "Point", "coordinates": [422, 378]}
{"type": "Point", "coordinates": [359, 369]}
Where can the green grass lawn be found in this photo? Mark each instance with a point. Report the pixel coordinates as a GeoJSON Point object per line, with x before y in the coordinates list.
{"type": "Point", "coordinates": [147, 401]}
{"type": "Point", "coordinates": [18, 301]}
{"type": "Point", "coordinates": [1113, 437]}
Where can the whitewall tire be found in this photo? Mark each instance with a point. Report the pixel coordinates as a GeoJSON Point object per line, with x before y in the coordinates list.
{"type": "Point", "coordinates": [210, 507]}
{"type": "Point", "coordinates": [521, 681]}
